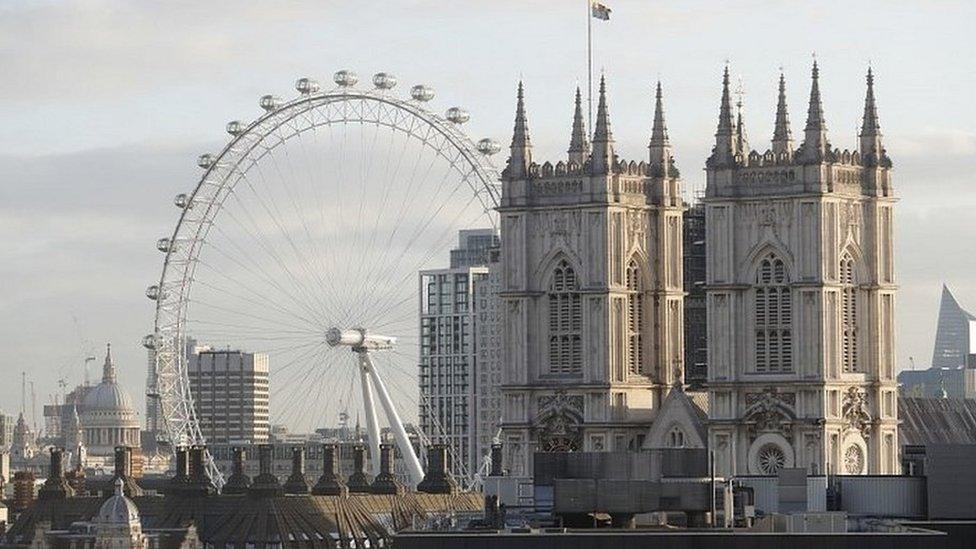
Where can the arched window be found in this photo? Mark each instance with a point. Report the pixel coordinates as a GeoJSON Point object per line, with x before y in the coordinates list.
{"type": "Point", "coordinates": [848, 312]}
{"type": "Point", "coordinates": [773, 310]}
{"type": "Point", "coordinates": [635, 318]}
{"type": "Point", "coordinates": [676, 438]}
{"type": "Point", "coordinates": [565, 322]}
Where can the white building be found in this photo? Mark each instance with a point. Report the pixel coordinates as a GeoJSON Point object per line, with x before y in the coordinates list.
{"type": "Point", "coordinates": [108, 418]}
{"type": "Point", "coordinates": [448, 354]}
{"type": "Point", "coordinates": [591, 291]}
{"type": "Point", "coordinates": [800, 286]}
{"type": "Point", "coordinates": [230, 395]}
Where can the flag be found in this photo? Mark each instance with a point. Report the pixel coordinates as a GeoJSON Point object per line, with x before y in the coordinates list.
{"type": "Point", "coordinates": [600, 11]}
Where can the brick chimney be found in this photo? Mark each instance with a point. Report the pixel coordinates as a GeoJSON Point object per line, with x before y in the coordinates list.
{"type": "Point", "coordinates": [330, 483]}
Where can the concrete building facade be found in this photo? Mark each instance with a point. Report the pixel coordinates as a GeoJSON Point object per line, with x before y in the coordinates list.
{"type": "Point", "coordinates": [230, 395]}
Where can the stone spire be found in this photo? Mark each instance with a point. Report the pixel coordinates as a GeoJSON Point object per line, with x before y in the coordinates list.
{"type": "Point", "coordinates": [872, 152]}
{"type": "Point", "coordinates": [108, 369]}
{"type": "Point", "coordinates": [602, 159]}
{"type": "Point", "coordinates": [521, 149]}
{"type": "Point", "coordinates": [724, 152]}
{"type": "Point", "coordinates": [741, 143]}
{"type": "Point", "coordinates": [782, 136]}
{"type": "Point", "coordinates": [660, 145]}
{"type": "Point", "coordinates": [579, 147]}
{"type": "Point", "coordinates": [815, 145]}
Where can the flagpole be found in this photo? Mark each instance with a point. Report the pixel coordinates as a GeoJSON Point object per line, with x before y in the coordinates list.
{"type": "Point", "coordinates": [589, 64]}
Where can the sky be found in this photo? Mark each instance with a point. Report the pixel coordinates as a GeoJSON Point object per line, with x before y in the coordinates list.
{"type": "Point", "coordinates": [105, 105]}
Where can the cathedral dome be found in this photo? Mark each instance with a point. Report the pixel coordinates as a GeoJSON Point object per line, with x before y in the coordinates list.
{"type": "Point", "coordinates": [108, 396]}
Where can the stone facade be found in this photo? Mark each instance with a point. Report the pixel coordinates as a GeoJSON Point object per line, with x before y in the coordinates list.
{"type": "Point", "coordinates": [591, 288]}
{"type": "Point", "coordinates": [800, 284]}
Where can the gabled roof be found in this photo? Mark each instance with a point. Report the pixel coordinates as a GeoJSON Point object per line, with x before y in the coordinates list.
{"type": "Point", "coordinates": [937, 421]}
{"type": "Point", "coordinates": [680, 408]}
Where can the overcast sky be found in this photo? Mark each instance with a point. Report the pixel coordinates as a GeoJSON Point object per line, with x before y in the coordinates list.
{"type": "Point", "coordinates": [104, 107]}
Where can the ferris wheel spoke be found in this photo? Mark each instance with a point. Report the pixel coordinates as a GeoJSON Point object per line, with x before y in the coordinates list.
{"type": "Point", "coordinates": [256, 297]}
{"type": "Point", "coordinates": [256, 269]}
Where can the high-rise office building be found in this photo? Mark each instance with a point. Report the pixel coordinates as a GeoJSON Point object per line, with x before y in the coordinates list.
{"type": "Point", "coordinates": [448, 405]}
{"type": "Point", "coordinates": [488, 355]}
{"type": "Point", "coordinates": [955, 336]}
{"type": "Point", "coordinates": [7, 423]}
{"type": "Point", "coordinates": [230, 395]}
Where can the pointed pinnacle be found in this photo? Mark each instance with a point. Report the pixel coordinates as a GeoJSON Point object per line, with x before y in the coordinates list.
{"type": "Point", "coordinates": [577, 142]}
{"type": "Point", "coordinates": [815, 115]}
{"type": "Point", "coordinates": [782, 136]}
{"type": "Point", "coordinates": [602, 131]}
{"type": "Point", "coordinates": [520, 136]}
{"type": "Point", "coordinates": [725, 110]}
{"type": "Point", "coordinates": [659, 131]}
{"type": "Point", "coordinates": [870, 125]}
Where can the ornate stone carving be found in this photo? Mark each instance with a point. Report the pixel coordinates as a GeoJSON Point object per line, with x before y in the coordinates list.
{"type": "Point", "coordinates": [770, 412]}
{"type": "Point", "coordinates": [855, 411]}
{"type": "Point", "coordinates": [559, 423]}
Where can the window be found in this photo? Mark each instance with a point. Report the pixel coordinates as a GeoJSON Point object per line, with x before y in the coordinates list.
{"type": "Point", "coordinates": [635, 318]}
{"type": "Point", "coordinates": [773, 310]}
{"type": "Point", "coordinates": [848, 312]}
{"type": "Point", "coordinates": [676, 438]}
{"type": "Point", "coordinates": [565, 322]}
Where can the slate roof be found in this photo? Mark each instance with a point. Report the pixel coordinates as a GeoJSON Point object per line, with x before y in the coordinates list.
{"type": "Point", "coordinates": [937, 421]}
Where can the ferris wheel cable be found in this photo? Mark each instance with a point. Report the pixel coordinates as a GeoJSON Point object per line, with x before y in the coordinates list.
{"type": "Point", "coordinates": [303, 260]}
{"type": "Point", "coordinates": [293, 412]}
{"type": "Point", "coordinates": [301, 301]}
{"type": "Point", "coordinates": [256, 298]}
{"type": "Point", "coordinates": [433, 250]}
{"type": "Point", "coordinates": [238, 313]}
{"type": "Point", "coordinates": [413, 239]}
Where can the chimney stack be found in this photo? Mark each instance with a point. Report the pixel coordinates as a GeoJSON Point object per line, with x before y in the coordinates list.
{"type": "Point", "coordinates": [238, 482]}
{"type": "Point", "coordinates": [386, 482]}
{"type": "Point", "coordinates": [56, 487]}
{"type": "Point", "coordinates": [359, 481]}
{"type": "Point", "coordinates": [496, 460]}
{"type": "Point", "coordinates": [265, 484]}
{"type": "Point", "coordinates": [330, 483]}
{"type": "Point", "coordinates": [123, 470]}
{"type": "Point", "coordinates": [438, 479]}
{"type": "Point", "coordinates": [296, 483]}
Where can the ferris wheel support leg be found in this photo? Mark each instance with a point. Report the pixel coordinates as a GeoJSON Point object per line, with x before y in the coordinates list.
{"type": "Point", "coordinates": [372, 426]}
{"type": "Point", "coordinates": [403, 441]}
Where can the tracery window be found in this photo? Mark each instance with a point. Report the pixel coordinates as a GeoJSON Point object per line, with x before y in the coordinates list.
{"type": "Point", "coordinates": [565, 322]}
{"type": "Point", "coordinates": [848, 312]}
{"type": "Point", "coordinates": [635, 318]}
{"type": "Point", "coordinates": [773, 312]}
{"type": "Point", "coordinates": [676, 438]}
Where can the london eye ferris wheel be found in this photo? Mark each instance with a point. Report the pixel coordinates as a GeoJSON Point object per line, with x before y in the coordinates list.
{"type": "Point", "coordinates": [302, 241]}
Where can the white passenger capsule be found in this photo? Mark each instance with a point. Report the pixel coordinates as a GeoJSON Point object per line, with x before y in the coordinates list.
{"type": "Point", "coordinates": [152, 292]}
{"type": "Point", "coordinates": [182, 201]}
{"type": "Point", "coordinates": [306, 86]}
{"type": "Point", "coordinates": [345, 78]}
{"type": "Point", "coordinates": [384, 80]}
{"type": "Point", "coordinates": [149, 341]}
{"type": "Point", "coordinates": [235, 127]}
{"type": "Point", "coordinates": [488, 146]}
{"type": "Point", "coordinates": [270, 102]}
{"type": "Point", "coordinates": [422, 93]}
{"type": "Point", "coordinates": [457, 115]}
{"type": "Point", "coordinates": [165, 245]}
{"type": "Point", "coordinates": [205, 160]}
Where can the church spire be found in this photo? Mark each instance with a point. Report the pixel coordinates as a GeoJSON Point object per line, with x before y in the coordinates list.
{"type": "Point", "coordinates": [782, 136]}
{"type": "Point", "coordinates": [602, 159]}
{"type": "Point", "coordinates": [520, 158]}
{"type": "Point", "coordinates": [579, 147]}
{"type": "Point", "coordinates": [660, 145]}
{"type": "Point", "coordinates": [724, 152]}
{"type": "Point", "coordinates": [108, 370]}
{"type": "Point", "coordinates": [815, 144]}
{"type": "Point", "coordinates": [871, 150]}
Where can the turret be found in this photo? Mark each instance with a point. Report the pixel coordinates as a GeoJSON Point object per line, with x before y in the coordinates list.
{"type": "Point", "coordinates": [723, 154]}
{"type": "Point", "coordinates": [520, 157]}
{"type": "Point", "coordinates": [661, 158]}
{"type": "Point", "coordinates": [579, 146]}
{"type": "Point", "coordinates": [782, 136]}
{"type": "Point", "coordinates": [815, 146]}
{"type": "Point", "coordinates": [872, 151]}
{"type": "Point", "coordinates": [602, 159]}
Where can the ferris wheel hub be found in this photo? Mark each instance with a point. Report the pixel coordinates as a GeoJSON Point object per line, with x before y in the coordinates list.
{"type": "Point", "coordinates": [359, 339]}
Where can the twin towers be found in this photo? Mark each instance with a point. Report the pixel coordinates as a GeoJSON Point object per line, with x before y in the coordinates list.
{"type": "Point", "coordinates": [800, 289]}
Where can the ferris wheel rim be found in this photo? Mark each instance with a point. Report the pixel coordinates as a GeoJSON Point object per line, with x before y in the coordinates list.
{"type": "Point", "coordinates": [175, 405]}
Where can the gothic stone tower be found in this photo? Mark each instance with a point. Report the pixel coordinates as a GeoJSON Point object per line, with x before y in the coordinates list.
{"type": "Point", "coordinates": [591, 291]}
{"type": "Point", "coordinates": [801, 295]}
